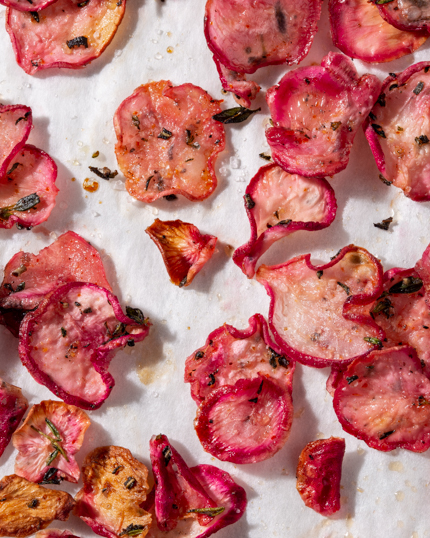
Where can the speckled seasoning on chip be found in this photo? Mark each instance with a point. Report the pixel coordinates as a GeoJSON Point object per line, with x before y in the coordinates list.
{"type": "Point", "coordinates": [278, 204]}
{"type": "Point", "coordinates": [16, 122]}
{"type": "Point", "coordinates": [312, 313]}
{"type": "Point", "coordinates": [69, 341]}
{"type": "Point", "coordinates": [411, 15]}
{"type": "Point", "coordinates": [316, 112]}
{"type": "Point", "coordinates": [13, 406]}
{"type": "Point", "coordinates": [167, 141]}
{"type": "Point", "coordinates": [184, 249]}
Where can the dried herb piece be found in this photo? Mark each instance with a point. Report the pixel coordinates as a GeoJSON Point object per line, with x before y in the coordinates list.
{"type": "Point", "coordinates": [234, 115]}
{"type": "Point", "coordinates": [170, 197]}
{"type": "Point", "coordinates": [132, 530]}
{"type": "Point", "coordinates": [34, 503]}
{"type": "Point", "coordinates": [199, 355]}
{"type": "Point", "coordinates": [393, 86]}
{"type": "Point", "coordinates": [130, 482]}
{"type": "Point", "coordinates": [135, 121]}
{"type": "Point", "coordinates": [84, 3]}
{"type": "Point", "coordinates": [418, 88]}
{"type": "Point", "coordinates": [35, 16]}
{"type": "Point", "coordinates": [190, 140]}
{"type": "Point", "coordinates": [386, 434]}
{"type": "Point", "coordinates": [351, 379]}
{"type": "Point", "coordinates": [23, 204]}
{"type": "Point", "coordinates": [211, 380]}
{"type": "Point", "coordinates": [381, 100]}
{"type": "Point", "coordinates": [345, 287]}
{"type": "Point", "coordinates": [384, 225]}
{"type": "Point", "coordinates": [374, 341]}
{"type": "Point", "coordinates": [63, 332]}
{"type": "Point", "coordinates": [249, 202]}
{"type": "Point", "coordinates": [216, 511]}
{"type": "Point", "coordinates": [381, 2]}
{"type": "Point", "coordinates": [319, 274]}
{"type": "Point", "coordinates": [382, 178]}
{"type": "Point", "coordinates": [22, 118]}
{"type": "Point", "coordinates": [253, 400]}
{"type": "Point", "coordinates": [421, 140]}
{"type": "Point", "coordinates": [136, 315]}
{"type": "Point", "coordinates": [335, 125]}
{"type": "Point", "coordinates": [51, 477]}
{"type": "Point", "coordinates": [80, 41]}
{"type": "Point", "coordinates": [165, 134]}
{"type": "Point", "coordinates": [118, 469]}
{"type": "Point", "coordinates": [104, 173]}
{"type": "Point", "coordinates": [20, 287]}
{"type": "Point", "coordinates": [407, 285]}
{"type": "Point", "coordinates": [265, 156]}
{"type": "Point", "coordinates": [383, 306]}
{"type": "Point", "coordinates": [14, 167]}
{"type": "Point", "coordinates": [96, 153]}
{"type": "Point", "coordinates": [167, 454]}
{"type": "Point", "coordinates": [378, 130]}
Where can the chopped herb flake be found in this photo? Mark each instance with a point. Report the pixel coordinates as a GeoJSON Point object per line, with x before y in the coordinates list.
{"type": "Point", "coordinates": [136, 315]}
{"type": "Point", "coordinates": [130, 482]}
{"type": "Point", "coordinates": [345, 287]}
{"type": "Point", "coordinates": [378, 130]}
{"type": "Point", "coordinates": [373, 341]}
{"type": "Point", "coordinates": [384, 225]}
{"type": "Point", "coordinates": [419, 88]}
{"type": "Point", "coordinates": [167, 454]}
{"type": "Point", "coordinates": [319, 274]}
{"type": "Point", "coordinates": [265, 156]}
{"type": "Point", "coordinates": [386, 434]}
{"type": "Point", "coordinates": [249, 202]}
{"type": "Point", "coordinates": [132, 530]}
{"type": "Point", "coordinates": [234, 115]}
{"type": "Point", "coordinates": [351, 379]}
{"type": "Point", "coordinates": [421, 140]}
{"type": "Point", "coordinates": [382, 178]}
{"type": "Point", "coordinates": [80, 41]}
{"type": "Point", "coordinates": [165, 134]}
{"type": "Point", "coordinates": [63, 332]}
{"type": "Point", "coordinates": [104, 173]}
{"type": "Point", "coordinates": [335, 125]}
{"type": "Point", "coordinates": [24, 204]}
{"type": "Point", "coordinates": [208, 511]}
{"type": "Point", "coordinates": [407, 285]}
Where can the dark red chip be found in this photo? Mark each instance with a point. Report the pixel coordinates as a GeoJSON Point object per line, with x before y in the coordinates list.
{"type": "Point", "coordinates": [13, 406]}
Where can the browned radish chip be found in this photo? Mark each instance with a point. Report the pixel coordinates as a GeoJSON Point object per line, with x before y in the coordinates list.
{"type": "Point", "coordinates": [168, 141]}
{"type": "Point", "coordinates": [230, 354]}
{"type": "Point", "coordinates": [384, 399]}
{"type": "Point", "coordinates": [311, 313]}
{"type": "Point", "coordinates": [55, 533]}
{"type": "Point", "coordinates": [246, 422]}
{"type": "Point", "coordinates": [67, 33]}
{"type": "Point", "coordinates": [27, 507]}
{"type": "Point", "coordinates": [411, 15]}
{"type": "Point", "coordinates": [69, 341]}
{"type": "Point", "coordinates": [359, 31]}
{"type": "Point", "coordinates": [398, 131]}
{"type": "Point", "coordinates": [115, 485]}
{"type": "Point", "coordinates": [28, 191]}
{"type": "Point", "coordinates": [48, 440]}
{"type": "Point", "coordinates": [316, 113]}
{"type": "Point", "coordinates": [13, 405]}
{"type": "Point", "coordinates": [244, 91]}
{"type": "Point", "coordinates": [184, 249]}
{"type": "Point", "coordinates": [16, 123]}
{"type": "Point", "coordinates": [278, 204]}
{"type": "Point", "coordinates": [318, 474]}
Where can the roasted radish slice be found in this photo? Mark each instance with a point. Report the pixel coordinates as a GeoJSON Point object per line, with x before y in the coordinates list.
{"type": "Point", "coordinates": [168, 142]}
{"type": "Point", "coordinates": [316, 113]}
{"type": "Point", "coordinates": [55, 533]}
{"type": "Point", "coordinates": [244, 91]}
{"type": "Point", "coordinates": [398, 131]}
{"type": "Point", "coordinates": [318, 475]}
{"type": "Point", "coordinates": [13, 405]}
{"type": "Point", "coordinates": [184, 249]}
{"type": "Point", "coordinates": [230, 354]}
{"type": "Point", "coordinates": [359, 31]}
{"type": "Point", "coordinates": [245, 422]}
{"type": "Point", "coordinates": [384, 399]}
{"type": "Point", "coordinates": [16, 123]}
{"type": "Point", "coordinates": [411, 15]}
{"type": "Point", "coordinates": [49, 438]}
{"type": "Point", "coordinates": [278, 204]}
{"type": "Point", "coordinates": [115, 485]}
{"type": "Point", "coordinates": [311, 312]}
{"type": "Point", "coordinates": [25, 5]}
{"type": "Point", "coordinates": [69, 341]}
{"type": "Point", "coordinates": [26, 507]}
{"type": "Point", "coordinates": [67, 33]}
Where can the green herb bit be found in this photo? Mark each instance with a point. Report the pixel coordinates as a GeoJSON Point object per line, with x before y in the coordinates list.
{"type": "Point", "coordinates": [265, 156]}
{"type": "Point", "coordinates": [345, 287]}
{"type": "Point", "coordinates": [135, 121]}
{"type": "Point", "coordinates": [52, 457]}
{"type": "Point", "coordinates": [24, 204]}
{"type": "Point", "coordinates": [407, 285]}
{"type": "Point", "coordinates": [55, 442]}
{"type": "Point", "coordinates": [382, 2]}
{"type": "Point", "coordinates": [96, 153]}
{"type": "Point", "coordinates": [208, 511]}
{"type": "Point", "coordinates": [165, 134]}
{"type": "Point", "coordinates": [419, 88]}
{"type": "Point", "coordinates": [136, 315]}
{"type": "Point", "coordinates": [335, 125]}
{"type": "Point", "coordinates": [421, 140]}
{"type": "Point", "coordinates": [63, 332]}
{"type": "Point", "coordinates": [319, 274]}
{"type": "Point", "coordinates": [234, 115]}
{"type": "Point", "coordinates": [132, 530]}
{"type": "Point", "coordinates": [384, 225]}
{"type": "Point", "coordinates": [378, 130]}
{"type": "Point", "coordinates": [373, 341]}
{"type": "Point", "coordinates": [383, 306]}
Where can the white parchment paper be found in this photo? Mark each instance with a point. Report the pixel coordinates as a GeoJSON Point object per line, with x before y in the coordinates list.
{"type": "Point", "coordinates": [384, 495]}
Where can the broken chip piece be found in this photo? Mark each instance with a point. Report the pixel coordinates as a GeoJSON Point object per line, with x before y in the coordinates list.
{"type": "Point", "coordinates": [115, 485]}
{"type": "Point", "coordinates": [244, 90]}
{"type": "Point", "coordinates": [312, 313]}
{"type": "Point", "coordinates": [167, 141]}
{"type": "Point", "coordinates": [69, 341]}
{"type": "Point", "coordinates": [318, 475]}
{"type": "Point", "coordinates": [278, 204]}
{"type": "Point", "coordinates": [13, 406]}
{"type": "Point", "coordinates": [55, 533]}
{"type": "Point", "coordinates": [311, 139]}
{"type": "Point", "coordinates": [26, 507]}
{"type": "Point", "coordinates": [184, 249]}
{"type": "Point", "coordinates": [16, 123]}
{"type": "Point", "coordinates": [51, 435]}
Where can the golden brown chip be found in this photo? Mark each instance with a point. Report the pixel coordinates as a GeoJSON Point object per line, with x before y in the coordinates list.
{"type": "Point", "coordinates": [26, 507]}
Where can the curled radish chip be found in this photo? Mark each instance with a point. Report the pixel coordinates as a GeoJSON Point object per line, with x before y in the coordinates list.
{"type": "Point", "coordinates": [25, 5]}
{"type": "Point", "coordinates": [67, 33]}
{"type": "Point", "coordinates": [230, 354]}
{"type": "Point", "coordinates": [278, 204]}
{"type": "Point", "coordinates": [244, 90]}
{"type": "Point", "coordinates": [184, 249]}
{"type": "Point", "coordinates": [359, 31]}
{"type": "Point", "coordinates": [311, 312]}
{"type": "Point", "coordinates": [69, 341]}
{"type": "Point", "coordinates": [245, 36]}
{"type": "Point", "coordinates": [318, 474]}
{"type": "Point", "coordinates": [384, 399]}
{"type": "Point", "coordinates": [13, 406]}
{"type": "Point", "coordinates": [178, 493]}
{"type": "Point", "coordinates": [398, 131]}
{"type": "Point", "coordinates": [55, 533]}
{"type": "Point", "coordinates": [51, 435]}
{"type": "Point", "coordinates": [28, 191]}
{"type": "Point", "coordinates": [316, 113]}
{"type": "Point", "coordinates": [167, 141]}
{"type": "Point", "coordinates": [246, 422]}
{"type": "Point", "coordinates": [411, 15]}
{"type": "Point", "coordinates": [27, 507]}
{"type": "Point", "coordinates": [115, 485]}
{"type": "Point", "coordinates": [16, 123]}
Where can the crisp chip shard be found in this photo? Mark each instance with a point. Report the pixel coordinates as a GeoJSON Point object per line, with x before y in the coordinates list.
{"type": "Point", "coordinates": [182, 162]}
{"type": "Point", "coordinates": [278, 204]}
{"type": "Point", "coordinates": [13, 406]}
{"type": "Point", "coordinates": [115, 485]}
{"type": "Point", "coordinates": [16, 122]}
{"type": "Point", "coordinates": [316, 113]}
{"type": "Point", "coordinates": [184, 249]}
{"type": "Point", "coordinates": [411, 15]}
{"type": "Point", "coordinates": [26, 507]}
{"type": "Point", "coordinates": [312, 307]}
{"type": "Point", "coordinates": [37, 454]}
{"type": "Point", "coordinates": [244, 91]}
{"type": "Point", "coordinates": [69, 341]}
{"type": "Point", "coordinates": [319, 473]}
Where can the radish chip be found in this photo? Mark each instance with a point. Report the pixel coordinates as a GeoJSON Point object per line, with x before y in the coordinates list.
{"type": "Point", "coordinates": [398, 130]}
{"type": "Point", "coordinates": [278, 204]}
{"type": "Point", "coordinates": [184, 249]}
{"type": "Point", "coordinates": [359, 31]}
{"type": "Point", "coordinates": [411, 15]}
{"type": "Point", "coordinates": [244, 90]}
{"type": "Point", "coordinates": [319, 473]}
{"type": "Point", "coordinates": [69, 341]}
{"type": "Point", "coordinates": [384, 399]}
{"type": "Point", "coordinates": [13, 406]}
{"type": "Point", "coordinates": [167, 141]}
{"type": "Point", "coordinates": [25, 5]}
{"type": "Point", "coordinates": [312, 307]}
{"type": "Point", "coordinates": [55, 533]}
{"type": "Point", "coordinates": [67, 33]}
{"type": "Point", "coordinates": [316, 113]}
{"type": "Point", "coordinates": [51, 435]}
{"type": "Point", "coordinates": [16, 123]}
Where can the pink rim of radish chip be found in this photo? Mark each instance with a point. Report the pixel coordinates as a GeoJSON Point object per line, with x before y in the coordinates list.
{"type": "Point", "coordinates": [244, 91]}
{"type": "Point", "coordinates": [405, 14]}
{"type": "Point", "coordinates": [16, 122]}
{"type": "Point", "coordinates": [13, 406]}
{"type": "Point", "coordinates": [55, 533]}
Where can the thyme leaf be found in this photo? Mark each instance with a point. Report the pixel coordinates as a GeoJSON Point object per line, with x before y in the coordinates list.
{"type": "Point", "coordinates": [407, 285]}
{"type": "Point", "coordinates": [165, 134]}
{"type": "Point", "coordinates": [136, 315]}
{"type": "Point", "coordinates": [23, 204]}
{"type": "Point", "coordinates": [374, 341]}
{"type": "Point", "coordinates": [80, 41]}
{"type": "Point", "coordinates": [234, 115]}
{"type": "Point", "coordinates": [104, 173]}
{"type": "Point", "coordinates": [207, 511]}
{"type": "Point", "coordinates": [345, 287]}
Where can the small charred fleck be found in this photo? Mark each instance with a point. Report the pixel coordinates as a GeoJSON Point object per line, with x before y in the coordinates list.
{"type": "Point", "coordinates": [130, 482]}
{"type": "Point", "coordinates": [80, 41]}
{"type": "Point", "coordinates": [351, 379]}
{"type": "Point", "coordinates": [419, 88]}
{"type": "Point", "coordinates": [272, 361]}
{"type": "Point", "coordinates": [386, 434]}
{"type": "Point", "coordinates": [84, 3]}
{"type": "Point", "coordinates": [51, 477]}
{"type": "Point", "coordinates": [118, 469]}
{"type": "Point", "coordinates": [35, 16]}
{"type": "Point", "coordinates": [104, 173]}
{"type": "Point", "coordinates": [421, 140]}
{"type": "Point", "coordinates": [320, 274]}
{"type": "Point", "coordinates": [336, 255]}
{"type": "Point", "coordinates": [25, 117]}
{"type": "Point", "coordinates": [130, 342]}
{"type": "Point", "coordinates": [165, 134]}
{"type": "Point", "coordinates": [335, 125]}
{"type": "Point", "coordinates": [422, 401]}
{"type": "Point", "coordinates": [34, 503]}
{"type": "Point", "coordinates": [63, 332]}
{"type": "Point", "coordinates": [381, 100]}
{"type": "Point", "coordinates": [281, 21]}
{"type": "Point", "coordinates": [199, 355]}
{"type": "Point", "coordinates": [211, 380]}
{"type": "Point", "coordinates": [87, 310]}
{"type": "Point", "coordinates": [167, 454]}
{"type": "Point", "coordinates": [265, 156]}
{"type": "Point", "coordinates": [183, 282]}
{"type": "Point", "coordinates": [260, 388]}
{"type": "Point", "coordinates": [426, 69]}
{"type": "Point", "coordinates": [425, 327]}
{"type": "Point", "coordinates": [148, 181]}
{"type": "Point", "coordinates": [378, 130]}
{"type": "Point", "coordinates": [372, 116]}
{"type": "Point", "coordinates": [13, 168]}
{"type": "Point", "coordinates": [34, 63]}
{"type": "Point", "coordinates": [170, 197]}
{"type": "Point", "coordinates": [393, 75]}
{"type": "Point", "coordinates": [77, 304]}
{"type": "Point", "coordinates": [283, 361]}
{"type": "Point", "coordinates": [20, 287]}
{"type": "Point", "coordinates": [249, 202]}
{"type": "Point", "coordinates": [407, 285]}
{"type": "Point", "coordinates": [253, 400]}
{"type": "Point", "coordinates": [385, 181]}
{"type": "Point", "coordinates": [393, 86]}
{"type": "Point", "coordinates": [307, 81]}
{"type": "Point", "coordinates": [345, 287]}
{"type": "Point", "coordinates": [384, 225]}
